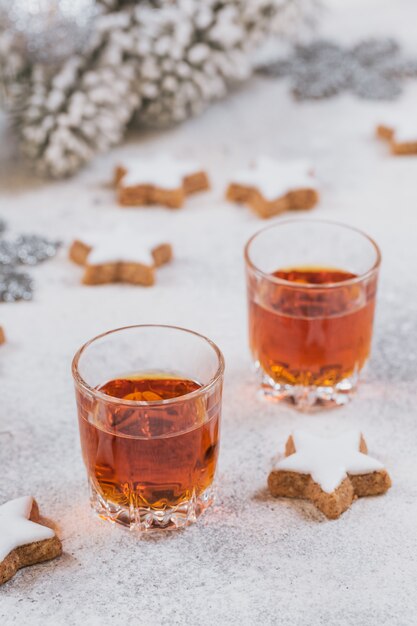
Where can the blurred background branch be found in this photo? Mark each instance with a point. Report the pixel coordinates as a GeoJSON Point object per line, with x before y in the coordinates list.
{"type": "Point", "coordinates": [74, 74]}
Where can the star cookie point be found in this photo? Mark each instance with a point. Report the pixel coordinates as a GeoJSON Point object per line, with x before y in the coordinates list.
{"type": "Point", "coordinates": [329, 472]}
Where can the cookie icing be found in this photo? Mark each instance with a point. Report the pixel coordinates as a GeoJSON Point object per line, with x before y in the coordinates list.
{"type": "Point", "coordinates": [328, 461]}
{"type": "Point", "coordinates": [162, 171]}
{"type": "Point", "coordinates": [121, 245]}
{"type": "Point", "coordinates": [16, 529]}
{"type": "Point", "coordinates": [275, 178]}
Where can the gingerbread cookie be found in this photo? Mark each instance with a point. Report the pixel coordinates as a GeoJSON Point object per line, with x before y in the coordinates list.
{"type": "Point", "coordinates": [24, 539]}
{"type": "Point", "coordinates": [271, 187]}
{"type": "Point", "coordinates": [329, 472]}
{"type": "Point", "coordinates": [401, 136]}
{"type": "Point", "coordinates": [160, 180]}
{"type": "Point", "coordinates": [120, 256]}
{"type": "Point", "coordinates": [2, 336]}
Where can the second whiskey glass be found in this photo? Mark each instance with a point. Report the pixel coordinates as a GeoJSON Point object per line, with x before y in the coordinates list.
{"type": "Point", "coordinates": [311, 296]}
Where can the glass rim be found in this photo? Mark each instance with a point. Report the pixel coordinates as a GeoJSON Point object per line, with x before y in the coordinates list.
{"type": "Point", "coordinates": [314, 286]}
{"type": "Point", "coordinates": [79, 380]}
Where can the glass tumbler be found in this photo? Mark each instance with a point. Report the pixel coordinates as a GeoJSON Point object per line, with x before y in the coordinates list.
{"type": "Point", "coordinates": [149, 405]}
{"type": "Point", "coordinates": [311, 288]}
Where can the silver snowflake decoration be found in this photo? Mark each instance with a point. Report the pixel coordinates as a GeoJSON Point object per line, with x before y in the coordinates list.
{"type": "Point", "coordinates": [373, 69]}
{"type": "Point", "coordinates": [24, 250]}
{"type": "Point", "coordinates": [14, 285]}
{"type": "Point", "coordinates": [27, 250]}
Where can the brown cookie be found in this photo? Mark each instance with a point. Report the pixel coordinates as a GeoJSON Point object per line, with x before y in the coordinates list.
{"type": "Point", "coordinates": [2, 335]}
{"type": "Point", "coordinates": [329, 472]}
{"type": "Point", "coordinates": [401, 141]}
{"type": "Point", "coordinates": [161, 180]}
{"type": "Point", "coordinates": [24, 538]}
{"type": "Point", "coordinates": [119, 257]}
{"type": "Point", "coordinates": [271, 187]}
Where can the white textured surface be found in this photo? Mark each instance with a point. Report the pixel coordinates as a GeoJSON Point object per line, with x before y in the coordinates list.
{"type": "Point", "coordinates": [250, 560]}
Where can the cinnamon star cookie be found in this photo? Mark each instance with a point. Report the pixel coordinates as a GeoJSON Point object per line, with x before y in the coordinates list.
{"type": "Point", "coordinates": [24, 540]}
{"type": "Point", "coordinates": [329, 472]}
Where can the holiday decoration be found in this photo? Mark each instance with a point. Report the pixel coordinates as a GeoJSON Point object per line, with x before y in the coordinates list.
{"type": "Point", "coordinates": [373, 69]}
{"type": "Point", "coordinates": [24, 250]}
{"type": "Point", "coordinates": [27, 250]}
{"type": "Point", "coordinates": [47, 31]}
{"type": "Point", "coordinates": [14, 285]}
{"type": "Point", "coordinates": [158, 62]}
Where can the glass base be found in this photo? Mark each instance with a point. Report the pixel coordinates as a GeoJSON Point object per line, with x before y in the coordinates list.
{"type": "Point", "coordinates": [306, 398]}
{"type": "Point", "coordinates": [146, 519]}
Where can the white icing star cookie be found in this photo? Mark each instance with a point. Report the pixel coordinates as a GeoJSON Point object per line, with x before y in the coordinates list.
{"type": "Point", "coordinates": [161, 171]}
{"type": "Point", "coordinates": [271, 186]}
{"type": "Point", "coordinates": [159, 180]}
{"type": "Point", "coordinates": [23, 541]}
{"type": "Point", "coordinates": [120, 245]}
{"type": "Point", "coordinates": [329, 472]}
{"type": "Point", "coordinates": [328, 461]}
{"type": "Point", "coordinates": [400, 133]}
{"type": "Point", "coordinates": [120, 256]}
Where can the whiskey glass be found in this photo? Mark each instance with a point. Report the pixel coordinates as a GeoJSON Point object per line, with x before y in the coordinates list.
{"type": "Point", "coordinates": [149, 406]}
{"type": "Point", "coordinates": [311, 288]}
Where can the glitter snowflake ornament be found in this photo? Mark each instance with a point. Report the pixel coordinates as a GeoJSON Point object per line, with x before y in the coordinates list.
{"type": "Point", "coordinates": [15, 285]}
{"type": "Point", "coordinates": [24, 250]}
{"type": "Point", "coordinates": [27, 250]}
{"type": "Point", "coordinates": [373, 69]}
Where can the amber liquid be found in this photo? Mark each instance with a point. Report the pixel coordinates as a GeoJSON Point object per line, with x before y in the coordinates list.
{"type": "Point", "coordinates": [318, 337]}
{"type": "Point", "coordinates": [152, 456]}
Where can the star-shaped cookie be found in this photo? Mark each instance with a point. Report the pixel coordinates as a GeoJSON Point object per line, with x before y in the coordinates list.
{"type": "Point", "coordinates": [400, 134]}
{"type": "Point", "coordinates": [271, 187]}
{"type": "Point", "coordinates": [23, 540]}
{"type": "Point", "coordinates": [159, 180]}
{"type": "Point", "coordinates": [329, 472]}
{"type": "Point", "coordinates": [119, 256]}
